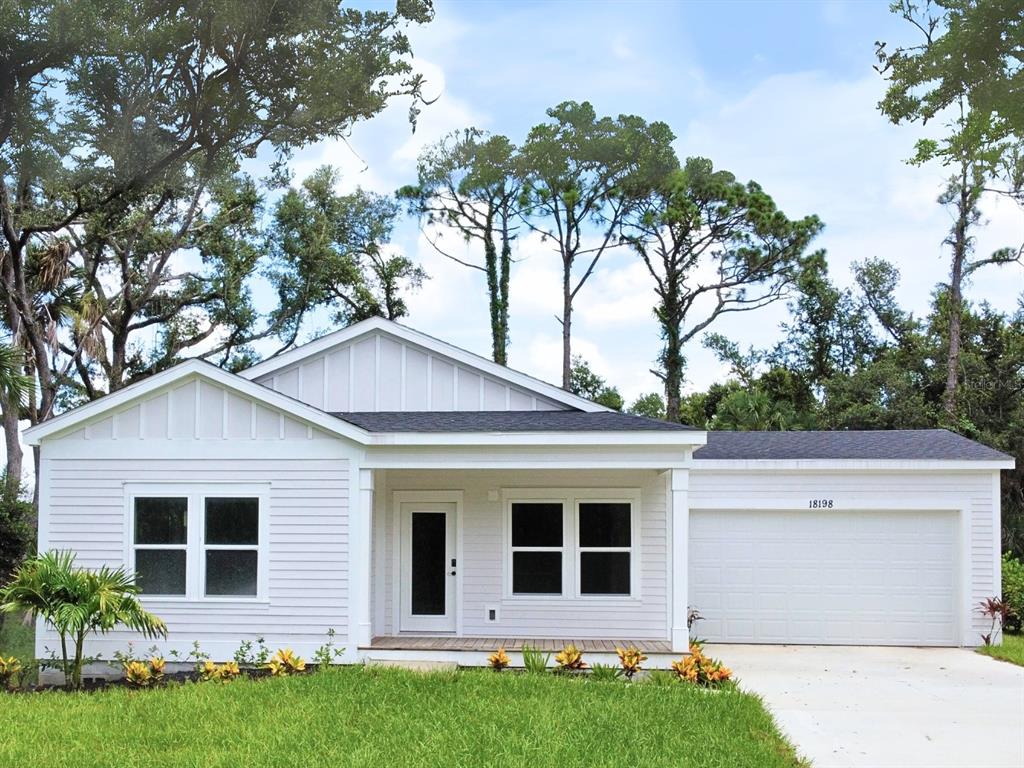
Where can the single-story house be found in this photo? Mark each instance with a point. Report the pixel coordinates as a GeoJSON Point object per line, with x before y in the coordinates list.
{"type": "Point", "coordinates": [426, 503]}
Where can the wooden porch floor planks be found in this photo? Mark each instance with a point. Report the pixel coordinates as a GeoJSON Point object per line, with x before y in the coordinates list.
{"type": "Point", "coordinates": [546, 644]}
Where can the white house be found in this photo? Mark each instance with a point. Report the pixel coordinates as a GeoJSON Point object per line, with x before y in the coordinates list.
{"type": "Point", "coordinates": [426, 503]}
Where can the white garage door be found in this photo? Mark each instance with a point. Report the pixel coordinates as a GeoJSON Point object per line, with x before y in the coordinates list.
{"type": "Point", "coordinates": [817, 577]}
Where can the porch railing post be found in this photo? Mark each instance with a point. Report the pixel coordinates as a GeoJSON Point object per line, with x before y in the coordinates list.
{"type": "Point", "coordinates": [679, 505]}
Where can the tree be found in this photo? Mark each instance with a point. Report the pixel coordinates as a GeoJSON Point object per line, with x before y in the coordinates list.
{"type": "Point", "coordinates": [579, 172]}
{"type": "Point", "coordinates": [696, 222]}
{"type": "Point", "coordinates": [77, 602]}
{"type": "Point", "coordinates": [330, 250]}
{"type": "Point", "coordinates": [650, 405]}
{"type": "Point", "coordinates": [137, 92]}
{"type": "Point", "coordinates": [966, 65]}
{"type": "Point", "coordinates": [471, 182]}
{"type": "Point", "coordinates": [585, 383]}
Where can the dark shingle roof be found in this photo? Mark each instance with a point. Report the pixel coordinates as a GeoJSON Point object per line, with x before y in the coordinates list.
{"type": "Point", "coordinates": [910, 444]}
{"type": "Point", "coordinates": [506, 421]}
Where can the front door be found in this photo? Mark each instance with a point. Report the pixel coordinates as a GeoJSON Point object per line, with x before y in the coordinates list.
{"type": "Point", "coordinates": [428, 566]}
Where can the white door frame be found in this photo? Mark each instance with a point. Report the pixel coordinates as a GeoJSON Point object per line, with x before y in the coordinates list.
{"type": "Point", "coordinates": [403, 622]}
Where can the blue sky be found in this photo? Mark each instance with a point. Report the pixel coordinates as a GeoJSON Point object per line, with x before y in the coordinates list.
{"type": "Point", "coordinates": [782, 93]}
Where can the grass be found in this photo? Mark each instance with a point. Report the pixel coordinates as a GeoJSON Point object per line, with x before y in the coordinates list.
{"type": "Point", "coordinates": [1012, 649]}
{"type": "Point", "coordinates": [358, 716]}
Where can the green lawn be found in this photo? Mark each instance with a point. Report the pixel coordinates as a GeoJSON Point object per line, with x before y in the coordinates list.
{"type": "Point", "coordinates": [358, 716]}
{"type": "Point", "coordinates": [1012, 649]}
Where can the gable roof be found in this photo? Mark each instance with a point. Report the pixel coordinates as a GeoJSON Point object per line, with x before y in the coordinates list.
{"type": "Point", "coordinates": [895, 445]}
{"type": "Point", "coordinates": [194, 368]}
{"type": "Point", "coordinates": [438, 347]}
{"type": "Point", "coordinates": [507, 421]}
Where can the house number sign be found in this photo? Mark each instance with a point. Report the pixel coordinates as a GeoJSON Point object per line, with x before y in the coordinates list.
{"type": "Point", "coordinates": [821, 504]}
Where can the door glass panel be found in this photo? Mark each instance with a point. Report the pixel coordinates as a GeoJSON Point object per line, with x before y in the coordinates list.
{"type": "Point", "coordinates": [429, 569]}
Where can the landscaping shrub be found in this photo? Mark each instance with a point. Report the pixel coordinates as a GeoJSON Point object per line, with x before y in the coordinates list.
{"type": "Point", "coordinates": [570, 659]}
{"type": "Point", "coordinates": [227, 671]}
{"type": "Point", "coordinates": [630, 660]}
{"type": "Point", "coordinates": [284, 663]}
{"type": "Point", "coordinates": [534, 661]}
{"type": "Point", "coordinates": [699, 669]}
{"type": "Point", "coordinates": [1013, 592]}
{"type": "Point", "coordinates": [604, 673]}
{"type": "Point", "coordinates": [10, 667]}
{"type": "Point", "coordinates": [498, 660]}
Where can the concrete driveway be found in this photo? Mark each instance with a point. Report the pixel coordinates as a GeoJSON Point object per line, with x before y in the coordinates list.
{"type": "Point", "coordinates": [881, 707]}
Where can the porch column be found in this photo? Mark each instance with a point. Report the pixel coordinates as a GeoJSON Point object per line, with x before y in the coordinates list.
{"type": "Point", "coordinates": [679, 508]}
{"type": "Point", "coordinates": [360, 562]}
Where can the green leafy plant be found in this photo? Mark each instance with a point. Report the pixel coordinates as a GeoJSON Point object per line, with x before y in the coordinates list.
{"type": "Point", "coordinates": [604, 673]}
{"type": "Point", "coordinates": [327, 654]}
{"type": "Point", "coordinates": [1013, 592]}
{"type": "Point", "coordinates": [77, 602]}
{"type": "Point", "coordinates": [534, 661]}
{"type": "Point", "coordinates": [661, 677]}
{"type": "Point", "coordinates": [250, 654]}
{"type": "Point", "coordinates": [221, 673]}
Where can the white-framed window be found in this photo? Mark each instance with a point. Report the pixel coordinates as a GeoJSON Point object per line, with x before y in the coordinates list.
{"type": "Point", "coordinates": [194, 542]}
{"type": "Point", "coordinates": [604, 555]}
{"type": "Point", "coordinates": [572, 543]}
{"type": "Point", "coordinates": [537, 535]}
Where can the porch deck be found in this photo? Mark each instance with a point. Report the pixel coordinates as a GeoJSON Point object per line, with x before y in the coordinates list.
{"type": "Point", "coordinates": [448, 643]}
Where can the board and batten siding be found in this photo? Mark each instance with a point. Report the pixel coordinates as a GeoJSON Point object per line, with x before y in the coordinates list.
{"type": "Point", "coordinates": [972, 495]}
{"type": "Point", "coordinates": [378, 372]}
{"type": "Point", "coordinates": [483, 556]}
{"type": "Point", "coordinates": [201, 435]}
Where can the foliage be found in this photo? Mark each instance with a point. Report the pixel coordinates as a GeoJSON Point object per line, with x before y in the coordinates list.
{"type": "Point", "coordinates": [374, 715]}
{"type": "Point", "coordinates": [470, 182]}
{"type": "Point", "coordinates": [702, 670]}
{"type": "Point", "coordinates": [253, 655]}
{"type": "Point", "coordinates": [285, 662]}
{"type": "Point", "coordinates": [143, 674]}
{"type": "Point", "coordinates": [498, 660]}
{"type": "Point", "coordinates": [604, 673]}
{"type": "Point", "coordinates": [701, 220]}
{"type": "Point", "coordinates": [661, 677]}
{"type": "Point", "coordinates": [570, 659]}
{"type": "Point", "coordinates": [1011, 649]}
{"type": "Point", "coordinates": [580, 170]}
{"type": "Point", "coordinates": [77, 602]}
{"type": "Point", "coordinates": [108, 107]}
{"type": "Point", "coordinates": [630, 659]}
{"type": "Point", "coordinates": [997, 611]}
{"type": "Point", "coordinates": [225, 672]}
{"type": "Point", "coordinates": [534, 661]}
{"type": "Point", "coordinates": [10, 668]}
{"type": "Point", "coordinates": [1013, 591]}
{"type": "Point", "coordinates": [651, 405]}
{"type": "Point", "coordinates": [585, 383]}
{"type": "Point", "coordinates": [331, 250]}
{"type": "Point", "coordinates": [327, 654]}
{"type": "Point", "coordinates": [17, 536]}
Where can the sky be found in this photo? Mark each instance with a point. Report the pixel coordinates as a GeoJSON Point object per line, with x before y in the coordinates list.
{"type": "Point", "coordinates": [783, 93]}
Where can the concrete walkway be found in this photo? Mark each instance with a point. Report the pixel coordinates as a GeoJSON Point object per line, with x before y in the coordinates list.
{"type": "Point", "coordinates": [882, 707]}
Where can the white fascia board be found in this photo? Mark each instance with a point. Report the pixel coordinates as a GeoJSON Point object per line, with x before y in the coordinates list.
{"type": "Point", "coordinates": [202, 370]}
{"type": "Point", "coordinates": [847, 465]}
{"type": "Point", "coordinates": [685, 440]}
{"type": "Point", "coordinates": [443, 348]}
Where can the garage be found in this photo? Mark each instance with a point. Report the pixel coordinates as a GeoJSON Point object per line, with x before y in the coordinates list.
{"type": "Point", "coordinates": [873, 577]}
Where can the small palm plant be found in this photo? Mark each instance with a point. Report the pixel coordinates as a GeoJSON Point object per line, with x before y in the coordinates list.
{"type": "Point", "coordinates": [77, 602]}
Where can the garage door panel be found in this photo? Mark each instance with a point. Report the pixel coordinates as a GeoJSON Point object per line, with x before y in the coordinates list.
{"type": "Point", "coordinates": [883, 578]}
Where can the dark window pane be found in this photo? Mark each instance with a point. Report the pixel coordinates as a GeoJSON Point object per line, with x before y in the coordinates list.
{"type": "Point", "coordinates": [160, 571]}
{"type": "Point", "coordinates": [160, 521]}
{"type": "Point", "coordinates": [536, 524]}
{"type": "Point", "coordinates": [604, 573]}
{"type": "Point", "coordinates": [428, 563]}
{"type": "Point", "coordinates": [232, 521]}
{"type": "Point", "coordinates": [604, 524]}
{"type": "Point", "coordinates": [537, 573]}
{"type": "Point", "coordinates": [231, 572]}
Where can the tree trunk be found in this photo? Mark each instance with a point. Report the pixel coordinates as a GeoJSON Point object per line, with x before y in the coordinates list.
{"type": "Point", "coordinates": [493, 295]}
{"type": "Point", "coordinates": [960, 243]}
{"type": "Point", "coordinates": [567, 324]}
{"type": "Point", "coordinates": [672, 360]}
{"type": "Point", "coordinates": [12, 442]}
{"type": "Point", "coordinates": [504, 268]}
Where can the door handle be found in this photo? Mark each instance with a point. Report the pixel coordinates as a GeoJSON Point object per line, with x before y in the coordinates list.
{"type": "Point", "coordinates": [452, 573]}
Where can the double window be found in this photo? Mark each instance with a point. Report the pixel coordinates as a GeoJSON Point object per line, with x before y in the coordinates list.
{"type": "Point", "coordinates": [197, 545]}
{"type": "Point", "coordinates": [572, 546]}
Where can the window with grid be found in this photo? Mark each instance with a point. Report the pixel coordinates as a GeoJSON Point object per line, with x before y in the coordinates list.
{"type": "Point", "coordinates": [604, 531]}
{"type": "Point", "coordinates": [538, 545]}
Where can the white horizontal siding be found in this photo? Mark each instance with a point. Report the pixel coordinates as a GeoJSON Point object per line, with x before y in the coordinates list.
{"type": "Point", "coordinates": [379, 372]}
{"type": "Point", "coordinates": [964, 492]}
{"type": "Point", "coordinates": [483, 558]}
